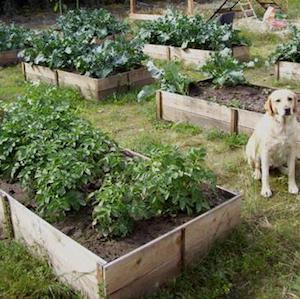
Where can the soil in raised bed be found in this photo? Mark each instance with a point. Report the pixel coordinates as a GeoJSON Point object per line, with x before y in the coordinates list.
{"type": "Point", "coordinates": [79, 227]}
{"type": "Point", "coordinates": [247, 97]}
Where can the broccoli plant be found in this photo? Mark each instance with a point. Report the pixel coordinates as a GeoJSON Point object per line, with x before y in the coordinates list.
{"type": "Point", "coordinates": [224, 69]}
{"type": "Point", "coordinates": [289, 51]}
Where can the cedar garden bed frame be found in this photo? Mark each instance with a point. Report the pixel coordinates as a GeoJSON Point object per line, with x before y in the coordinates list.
{"type": "Point", "coordinates": [287, 70]}
{"type": "Point", "coordinates": [190, 56]}
{"type": "Point", "coordinates": [195, 110]}
{"type": "Point", "coordinates": [138, 16]}
{"type": "Point", "coordinates": [137, 273]}
{"type": "Point", "coordinates": [9, 57]}
{"type": "Point", "coordinates": [90, 88]}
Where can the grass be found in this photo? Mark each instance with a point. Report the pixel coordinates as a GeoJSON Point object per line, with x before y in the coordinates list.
{"type": "Point", "coordinates": [22, 276]}
{"type": "Point", "coordinates": [260, 260]}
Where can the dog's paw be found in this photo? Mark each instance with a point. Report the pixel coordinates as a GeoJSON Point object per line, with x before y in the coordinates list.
{"type": "Point", "coordinates": [293, 189]}
{"type": "Point", "coordinates": [266, 192]}
{"type": "Point", "coordinates": [257, 174]}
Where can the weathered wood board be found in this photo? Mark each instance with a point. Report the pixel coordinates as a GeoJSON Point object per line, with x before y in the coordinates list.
{"type": "Point", "coordinates": [9, 57]}
{"type": "Point", "coordinates": [90, 88]}
{"type": "Point", "coordinates": [137, 273]}
{"type": "Point", "coordinates": [287, 70]}
{"type": "Point", "coordinates": [34, 73]}
{"type": "Point", "coordinates": [157, 51]}
{"type": "Point", "coordinates": [72, 263]}
{"type": "Point", "coordinates": [190, 56]}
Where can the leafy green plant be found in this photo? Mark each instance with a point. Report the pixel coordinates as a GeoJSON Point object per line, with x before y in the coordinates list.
{"type": "Point", "coordinates": [95, 23]}
{"type": "Point", "coordinates": [289, 51]}
{"type": "Point", "coordinates": [52, 152]}
{"type": "Point", "coordinates": [170, 183]}
{"type": "Point", "coordinates": [76, 53]}
{"type": "Point", "coordinates": [13, 37]}
{"type": "Point", "coordinates": [178, 30]}
{"type": "Point", "coordinates": [170, 79]}
{"type": "Point", "coordinates": [224, 69]}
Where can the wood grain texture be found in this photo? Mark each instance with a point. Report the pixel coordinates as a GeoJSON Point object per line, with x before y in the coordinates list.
{"type": "Point", "coordinates": [194, 105]}
{"type": "Point", "coordinates": [73, 264]}
{"type": "Point", "coordinates": [190, 56]}
{"type": "Point", "coordinates": [146, 259]}
{"type": "Point", "coordinates": [190, 7]}
{"type": "Point", "coordinates": [157, 51]}
{"type": "Point", "coordinates": [288, 70]}
{"type": "Point", "coordinates": [2, 216]}
{"type": "Point", "coordinates": [202, 232]}
{"type": "Point", "coordinates": [9, 57]}
{"type": "Point", "coordinates": [146, 17]}
{"type": "Point", "coordinates": [36, 73]}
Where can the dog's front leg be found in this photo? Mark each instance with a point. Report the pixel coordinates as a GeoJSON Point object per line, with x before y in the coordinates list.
{"type": "Point", "coordinates": [265, 167]}
{"type": "Point", "coordinates": [291, 169]}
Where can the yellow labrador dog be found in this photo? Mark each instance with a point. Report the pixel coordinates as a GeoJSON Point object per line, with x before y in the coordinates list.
{"type": "Point", "coordinates": [273, 143]}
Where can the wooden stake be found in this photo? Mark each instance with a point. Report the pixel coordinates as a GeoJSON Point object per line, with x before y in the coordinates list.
{"type": "Point", "coordinates": [190, 7]}
{"type": "Point", "coordinates": [158, 105]}
{"type": "Point", "coordinates": [8, 226]}
{"type": "Point", "coordinates": [132, 6]}
{"type": "Point", "coordinates": [234, 121]}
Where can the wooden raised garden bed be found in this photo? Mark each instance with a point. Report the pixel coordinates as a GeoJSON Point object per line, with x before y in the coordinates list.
{"type": "Point", "coordinates": [287, 70]}
{"type": "Point", "coordinates": [90, 88]}
{"type": "Point", "coordinates": [139, 271]}
{"type": "Point", "coordinates": [190, 56]}
{"type": "Point", "coordinates": [9, 57]}
{"type": "Point", "coordinates": [195, 109]}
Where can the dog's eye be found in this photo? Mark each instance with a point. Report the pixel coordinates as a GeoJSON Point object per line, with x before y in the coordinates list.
{"type": "Point", "coordinates": [278, 101]}
{"type": "Point", "coordinates": [290, 99]}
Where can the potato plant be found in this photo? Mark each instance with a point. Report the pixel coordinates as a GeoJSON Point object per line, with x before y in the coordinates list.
{"type": "Point", "coordinates": [176, 29]}
{"type": "Point", "coordinates": [65, 163]}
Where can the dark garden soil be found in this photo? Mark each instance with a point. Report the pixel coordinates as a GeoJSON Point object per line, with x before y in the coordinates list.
{"type": "Point", "coordinates": [79, 227]}
{"type": "Point", "coordinates": [248, 97]}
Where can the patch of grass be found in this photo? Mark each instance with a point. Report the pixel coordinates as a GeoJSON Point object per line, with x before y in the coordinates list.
{"type": "Point", "coordinates": [23, 276]}
{"type": "Point", "coordinates": [12, 83]}
{"type": "Point", "coordinates": [231, 140]}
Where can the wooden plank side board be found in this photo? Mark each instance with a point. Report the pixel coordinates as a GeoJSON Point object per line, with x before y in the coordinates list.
{"type": "Point", "coordinates": [73, 263]}
{"type": "Point", "coordinates": [91, 88]}
{"type": "Point", "coordinates": [190, 56]}
{"type": "Point", "coordinates": [150, 282]}
{"type": "Point", "coordinates": [2, 216]}
{"type": "Point", "coordinates": [34, 73]}
{"type": "Point", "coordinates": [146, 17]}
{"type": "Point", "coordinates": [142, 261]}
{"type": "Point", "coordinates": [139, 77]}
{"type": "Point", "coordinates": [195, 105]}
{"type": "Point", "coordinates": [157, 51]}
{"type": "Point", "coordinates": [202, 232]}
{"type": "Point", "coordinates": [9, 57]}
{"type": "Point", "coordinates": [247, 120]}
{"type": "Point", "coordinates": [288, 70]}
{"type": "Point", "coordinates": [163, 258]}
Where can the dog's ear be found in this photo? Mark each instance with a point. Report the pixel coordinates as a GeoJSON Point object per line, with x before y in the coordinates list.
{"type": "Point", "coordinates": [268, 107]}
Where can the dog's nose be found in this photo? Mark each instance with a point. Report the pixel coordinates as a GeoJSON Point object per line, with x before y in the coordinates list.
{"type": "Point", "coordinates": [287, 111]}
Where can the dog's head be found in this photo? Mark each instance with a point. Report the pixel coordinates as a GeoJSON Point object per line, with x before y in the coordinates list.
{"type": "Point", "coordinates": [281, 102]}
